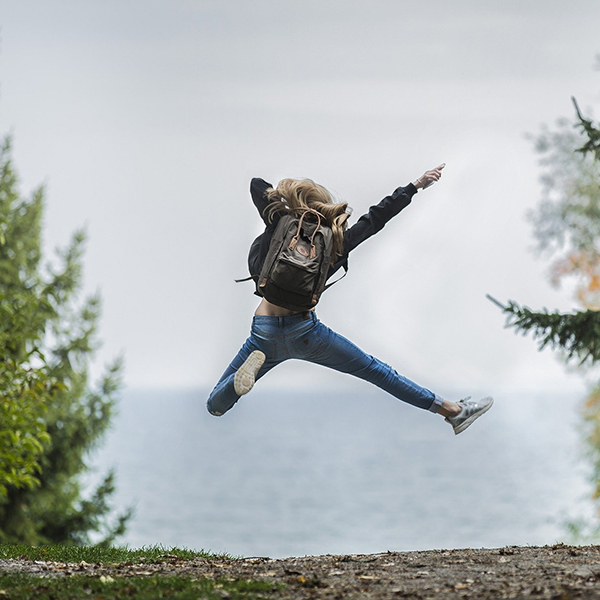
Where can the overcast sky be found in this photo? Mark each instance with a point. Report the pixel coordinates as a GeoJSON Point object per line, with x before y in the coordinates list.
{"type": "Point", "coordinates": [147, 119]}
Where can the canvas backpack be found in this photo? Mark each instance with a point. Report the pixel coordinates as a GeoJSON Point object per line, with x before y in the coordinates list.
{"type": "Point", "coordinates": [294, 272]}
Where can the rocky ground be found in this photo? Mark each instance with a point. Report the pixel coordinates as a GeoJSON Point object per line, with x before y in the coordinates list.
{"type": "Point", "coordinates": [559, 572]}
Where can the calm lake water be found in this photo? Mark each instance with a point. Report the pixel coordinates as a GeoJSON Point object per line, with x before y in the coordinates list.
{"type": "Point", "coordinates": [293, 474]}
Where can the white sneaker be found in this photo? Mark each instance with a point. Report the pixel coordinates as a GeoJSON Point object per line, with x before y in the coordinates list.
{"type": "Point", "coordinates": [471, 410]}
{"type": "Point", "coordinates": [245, 376]}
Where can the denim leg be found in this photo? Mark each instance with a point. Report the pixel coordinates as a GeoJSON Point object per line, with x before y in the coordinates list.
{"type": "Point", "coordinates": [306, 338]}
{"type": "Point", "coordinates": [341, 354]}
{"type": "Point", "coordinates": [223, 396]}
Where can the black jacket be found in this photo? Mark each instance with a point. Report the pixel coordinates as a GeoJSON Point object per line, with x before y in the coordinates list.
{"type": "Point", "coordinates": [369, 224]}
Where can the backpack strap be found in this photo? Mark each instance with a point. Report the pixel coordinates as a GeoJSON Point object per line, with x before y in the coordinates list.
{"type": "Point", "coordinates": [345, 267]}
{"type": "Point", "coordinates": [245, 279]}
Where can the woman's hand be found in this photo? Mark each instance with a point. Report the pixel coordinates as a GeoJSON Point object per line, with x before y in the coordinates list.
{"type": "Point", "coordinates": [429, 177]}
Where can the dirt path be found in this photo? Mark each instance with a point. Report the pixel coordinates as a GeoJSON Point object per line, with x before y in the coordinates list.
{"type": "Point", "coordinates": [559, 572]}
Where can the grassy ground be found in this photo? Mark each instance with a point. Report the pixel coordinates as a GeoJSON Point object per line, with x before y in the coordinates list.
{"type": "Point", "coordinates": [29, 587]}
{"type": "Point", "coordinates": [25, 586]}
{"type": "Point", "coordinates": [557, 572]}
{"type": "Point", "coordinates": [93, 554]}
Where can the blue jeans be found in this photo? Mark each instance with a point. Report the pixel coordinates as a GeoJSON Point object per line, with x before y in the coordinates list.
{"type": "Point", "coordinates": [304, 337]}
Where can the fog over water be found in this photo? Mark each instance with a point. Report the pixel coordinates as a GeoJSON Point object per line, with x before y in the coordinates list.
{"type": "Point", "coordinates": [289, 474]}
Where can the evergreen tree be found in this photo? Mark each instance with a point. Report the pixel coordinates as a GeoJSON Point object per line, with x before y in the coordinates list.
{"type": "Point", "coordinates": [567, 226]}
{"type": "Point", "coordinates": [24, 393]}
{"type": "Point", "coordinates": [51, 416]}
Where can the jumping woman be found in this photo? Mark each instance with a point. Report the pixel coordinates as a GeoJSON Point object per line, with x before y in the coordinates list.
{"type": "Point", "coordinates": [280, 333]}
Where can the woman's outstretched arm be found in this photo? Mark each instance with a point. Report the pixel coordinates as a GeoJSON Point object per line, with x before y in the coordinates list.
{"type": "Point", "coordinates": [373, 221]}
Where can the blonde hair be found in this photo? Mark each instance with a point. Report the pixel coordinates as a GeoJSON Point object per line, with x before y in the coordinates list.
{"type": "Point", "coordinates": [300, 194]}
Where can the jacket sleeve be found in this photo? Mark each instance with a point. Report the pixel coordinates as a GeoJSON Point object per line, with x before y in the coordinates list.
{"type": "Point", "coordinates": [374, 221]}
{"type": "Point", "coordinates": [258, 191]}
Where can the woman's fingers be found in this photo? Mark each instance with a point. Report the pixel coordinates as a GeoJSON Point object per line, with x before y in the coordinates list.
{"type": "Point", "coordinates": [429, 177]}
{"type": "Point", "coordinates": [437, 172]}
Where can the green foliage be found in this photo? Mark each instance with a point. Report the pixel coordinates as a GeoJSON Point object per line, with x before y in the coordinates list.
{"type": "Point", "coordinates": [24, 394]}
{"type": "Point", "coordinates": [567, 219]}
{"type": "Point", "coordinates": [102, 553]}
{"type": "Point", "coordinates": [25, 390]}
{"type": "Point", "coordinates": [51, 417]}
{"type": "Point", "coordinates": [26, 587]}
{"type": "Point", "coordinates": [591, 414]}
{"type": "Point", "coordinates": [582, 530]}
{"type": "Point", "coordinates": [592, 145]}
{"type": "Point", "coordinates": [576, 334]}
{"type": "Point", "coordinates": [566, 212]}
{"type": "Point", "coordinates": [567, 227]}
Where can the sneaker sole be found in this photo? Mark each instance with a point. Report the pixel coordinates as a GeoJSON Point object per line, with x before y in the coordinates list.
{"type": "Point", "coordinates": [473, 418]}
{"type": "Point", "coordinates": [245, 376]}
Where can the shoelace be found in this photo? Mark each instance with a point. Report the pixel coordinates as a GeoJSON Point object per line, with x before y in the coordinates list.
{"type": "Point", "coordinates": [463, 403]}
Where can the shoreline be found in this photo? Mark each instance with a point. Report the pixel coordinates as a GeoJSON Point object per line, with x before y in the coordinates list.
{"type": "Point", "coordinates": [558, 572]}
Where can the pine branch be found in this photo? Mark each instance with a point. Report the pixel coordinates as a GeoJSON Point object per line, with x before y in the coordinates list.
{"type": "Point", "coordinates": [577, 334]}
{"type": "Point", "coordinates": [593, 143]}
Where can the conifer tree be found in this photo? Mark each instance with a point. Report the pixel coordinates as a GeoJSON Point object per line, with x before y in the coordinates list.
{"type": "Point", "coordinates": [51, 417]}
{"type": "Point", "coordinates": [25, 391]}
{"type": "Point", "coordinates": [567, 226]}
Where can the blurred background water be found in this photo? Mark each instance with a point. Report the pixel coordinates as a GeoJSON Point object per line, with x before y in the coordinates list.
{"type": "Point", "coordinates": [287, 474]}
